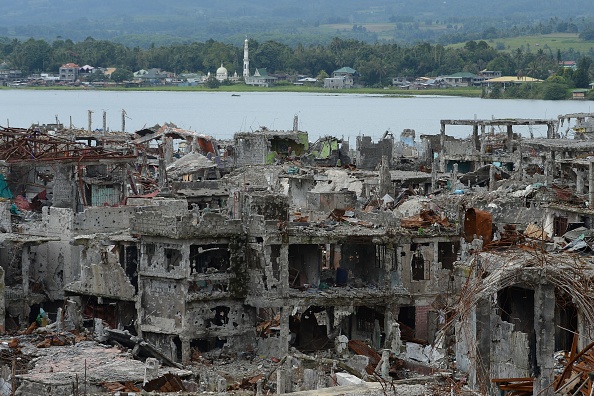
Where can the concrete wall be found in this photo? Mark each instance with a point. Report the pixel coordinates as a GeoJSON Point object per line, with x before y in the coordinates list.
{"type": "Point", "coordinates": [251, 150]}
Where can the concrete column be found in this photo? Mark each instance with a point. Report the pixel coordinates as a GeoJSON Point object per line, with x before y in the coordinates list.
{"type": "Point", "coordinates": [491, 178]}
{"type": "Point", "coordinates": [550, 130]}
{"type": "Point", "coordinates": [284, 330]}
{"type": "Point", "coordinates": [337, 256]}
{"type": "Point", "coordinates": [2, 303]}
{"type": "Point", "coordinates": [475, 135]}
{"type": "Point", "coordinates": [25, 268]}
{"type": "Point", "coordinates": [579, 181]}
{"type": "Point", "coordinates": [385, 364]}
{"type": "Point", "coordinates": [547, 169]}
{"type": "Point", "coordinates": [259, 388]}
{"type": "Point", "coordinates": [162, 173]}
{"type": "Point", "coordinates": [454, 177]}
{"type": "Point", "coordinates": [433, 176]}
{"type": "Point", "coordinates": [222, 386]}
{"type": "Point", "coordinates": [544, 327]}
{"type": "Point", "coordinates": [483, 139]}
{"type": "Point", "coordinates": [510, 138]}
{"type": "Point", "coordinates": [553, 167]}
{"type": "Point", "coordinates": [284, 269]}
{"type": "Point", "coordinates": [442, 163]}
{"type": "Point", "coordinates": [483, 147]}
{"type": "Point", "coordinates": [168, 150]}
{"type": "Point", "coordinates": [310, 379]}
{"type": "Point", "coordinates": [281, 383]}
{"type": "Point", "coordinates": [591, 184]}
{"type": "Point", "coordinates": [186, 350]}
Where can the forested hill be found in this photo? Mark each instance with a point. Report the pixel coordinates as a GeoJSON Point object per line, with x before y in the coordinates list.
{"type": "Point", "coordinates": [164, 22]}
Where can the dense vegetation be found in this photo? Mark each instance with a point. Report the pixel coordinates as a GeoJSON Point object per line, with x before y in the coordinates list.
{"type": "Point", "coordinates": [377, 63]}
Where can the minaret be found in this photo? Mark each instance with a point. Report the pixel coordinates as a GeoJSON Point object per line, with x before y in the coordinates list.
{"type": "Point", "coordinates": [246, 59]}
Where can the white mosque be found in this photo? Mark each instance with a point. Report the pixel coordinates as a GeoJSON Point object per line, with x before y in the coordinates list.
{"type": "Point", "coordinates": [260, 77]}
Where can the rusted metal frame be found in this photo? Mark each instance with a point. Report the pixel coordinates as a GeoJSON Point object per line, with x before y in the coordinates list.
{"type": "Point", "coordinates": [569, 366]}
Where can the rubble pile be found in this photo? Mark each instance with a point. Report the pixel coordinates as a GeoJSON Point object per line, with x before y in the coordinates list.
{"type": "Point", "coordinates": [166, 261]}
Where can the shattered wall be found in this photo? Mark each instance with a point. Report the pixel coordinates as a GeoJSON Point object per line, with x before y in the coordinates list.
{"type": "Point", "coordinates": [101, 273]}
{"type": "Point", "coordinates": [251, 150]}
{"type": "Point", "coordinates": [370, 154]}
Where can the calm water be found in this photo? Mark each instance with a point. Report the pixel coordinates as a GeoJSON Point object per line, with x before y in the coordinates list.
{"type": "Point", "coordinates": [220, 114]}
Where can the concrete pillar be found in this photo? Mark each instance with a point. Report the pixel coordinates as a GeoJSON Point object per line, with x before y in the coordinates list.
{"type": "Point", "coordinates": [186, 350]}
{"type": "Point", "coordinates": [483, 139]}
{"type": "Point", "coordinates": [281, 377]}
{"type": "Point", "coordinates": [475, 136]}
{"type": "Point", "coordinates": [2, 303]}
{"type": "Point", "coordinates": [442, 163]}
{"type": "Point", "coordinates": [547, 169]}
{"type": "Point", "coordinates": [73, 317]}
{"type": "Point", "coordinates": [64, 188]}
{"type": "Point", "coordinates": [162, 173]}
{"type": "Point", "coordinates": [222, 386]}
{"type": "Point", "coordinates": [310, 379]}
{"type": "Point", "coordinates": [579, 181]}
{"type": "Point", "coordinates": [385, 178]}
{"type": "Point", "coordinates": [433, 176]}
{"type": "Point", "coordinates": [385, 364]}
{"type": "Point", "coordinates": [284, 269]}
{"type": "Point", "coordinates": [284, 330]}
{"type": "Point", "coordinates": [553, 166]}
{"type": "Point", "coordinates": [60, 320]}
{"type": "Point", "coordinates": [591, 184]}
{"type": "Point", "coordinates": [168, 149]}
{"type": "Point", "coordinates": [337, 251]}
{"type": "Point", "coordinates": [510, 138]}
{"type": "Point", "coordinates": [259, 388]}
{"type": "Point", "coordinates": [544, 327]}
{"type": "Point", "coordinates": [454, 177]}
{"type": "Point", "coordinates": [25, 268]}
{"type": "Point", "coordinates": [550, 130]}
{"type": "Point", "coordinates": [491, 178]}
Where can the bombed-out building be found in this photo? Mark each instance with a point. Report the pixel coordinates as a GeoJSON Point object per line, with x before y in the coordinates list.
{"type": "Point", "coordinates": [466, 259]}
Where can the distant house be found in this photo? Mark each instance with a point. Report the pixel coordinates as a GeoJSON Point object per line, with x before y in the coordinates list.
{"type": "Point", "coordinates": [461, 79]}
{"type": "Point", "coordinates": [485, 75]}
{"type": "Point", "coordinates": [8, 74]}
{"type": "Point", "coordinates": [344, 77]}
{"type": "Point", "coordinates": [69, 72]}
{"type": "Point", "coordinates": [342, 82]}
{"type": "Point", "coordinates": [152, 76]}
{"type": "Point", "coordinates": [401, 82]}
{"type": "Point", "coordinates": [579, 94]}
{"type": "Point", "coordinates": [306, 81]}
{"type": "Point", "coordinates": [568, 64]}
{"type": "Point", "coordinates": [428, 83]}
{"type": "Point", "coordinates": [261, 78]}
{"type": "Point", "coordinates": [86, 69]}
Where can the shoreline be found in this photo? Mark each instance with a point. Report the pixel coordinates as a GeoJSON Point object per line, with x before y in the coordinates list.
{"type": "Point", "coordinates": [238, 89]}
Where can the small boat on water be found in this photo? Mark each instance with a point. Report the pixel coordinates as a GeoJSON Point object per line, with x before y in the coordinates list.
{"type": "Point", "coordinates": [235, 95]}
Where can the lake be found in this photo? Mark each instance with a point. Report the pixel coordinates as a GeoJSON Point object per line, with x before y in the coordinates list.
{"type": "Point", "coordinates": [221, 114]}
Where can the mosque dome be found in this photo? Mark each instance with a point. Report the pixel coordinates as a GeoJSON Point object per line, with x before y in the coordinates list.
{"type": "Point", "coordinates": [222, 73]}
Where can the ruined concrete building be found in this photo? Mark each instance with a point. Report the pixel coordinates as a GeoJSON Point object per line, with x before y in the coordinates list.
{"type": "Point", "coordinates": [477, 260]}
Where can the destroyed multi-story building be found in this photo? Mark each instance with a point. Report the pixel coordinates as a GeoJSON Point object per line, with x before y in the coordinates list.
{"type": "Point", "coordinates": [273, 245]}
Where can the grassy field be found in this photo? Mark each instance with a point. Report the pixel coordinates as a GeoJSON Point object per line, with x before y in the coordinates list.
{"type": "Point", "coordinates": [239, 88]}
{"type": "Point", "coordinates": [550, 43]}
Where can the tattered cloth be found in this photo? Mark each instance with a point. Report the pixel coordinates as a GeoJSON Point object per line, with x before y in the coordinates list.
{"type": "Point", "coordinates": [424, 219]}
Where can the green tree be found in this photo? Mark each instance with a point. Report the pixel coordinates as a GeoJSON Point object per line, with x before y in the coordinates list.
{"type": "Point", "coordinates": [119, 75]}
{"type": "Point", "coordinates": [553, 91]}
{"type": "Point", "coordinates": [581, 77]}
{"type": "Point", "coordinates": [212, 82]}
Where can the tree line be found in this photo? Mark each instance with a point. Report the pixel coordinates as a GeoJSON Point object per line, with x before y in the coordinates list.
{"type": "Point", "coordinates": [377, 63]}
